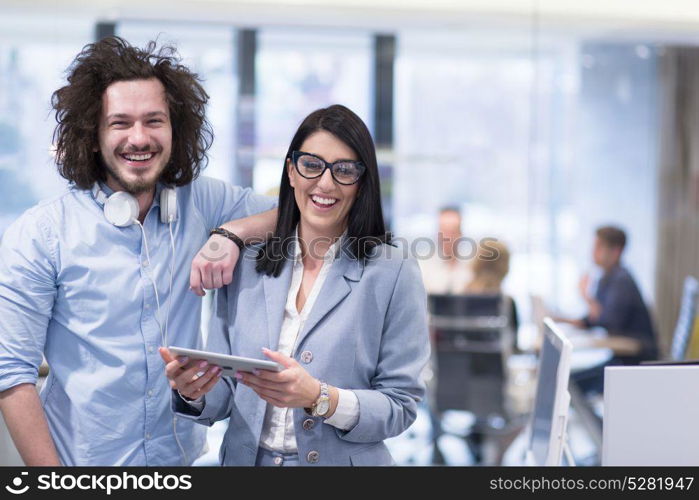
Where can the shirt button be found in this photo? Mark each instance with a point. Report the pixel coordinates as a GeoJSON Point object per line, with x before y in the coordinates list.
{"type": "Point", "coordinates": [308, 424]}
{"type": "Point", "coordinates": [306, 356]}
{"type": "Point", "coordinates": [151, 348]}
{"type": "Point", "coordinates": [150, 393]}
{"type": "Point", "coordinates": [147, 306]}
{"type": "Point", "coordinates": [278, 460]}
{"type": "Point", "coordinates": [148, 436]}
{"type": "Point", "coordinates": [144, 263]}
{"type": "Point", "coordinates": [313, 457]}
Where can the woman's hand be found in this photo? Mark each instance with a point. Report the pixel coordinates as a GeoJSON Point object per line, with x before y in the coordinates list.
{"type": "Point", "coordinates": [292, 387]}
{"type": "Point", "coordinates": [213, 265]}
{"type": "Point", "coordinates": [192, 379]}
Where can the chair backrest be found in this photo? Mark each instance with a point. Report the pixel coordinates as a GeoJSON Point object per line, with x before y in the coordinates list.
{"type": "Point", "coordinates": [473, 337]}
{"type": "Point", "coordinates": [685, 319]}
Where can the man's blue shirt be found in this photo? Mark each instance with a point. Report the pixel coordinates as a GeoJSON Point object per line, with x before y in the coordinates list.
{"type": "Point", "coordinates": [77, 289]}
{"type": "Point", "coordinates": [624, 312]}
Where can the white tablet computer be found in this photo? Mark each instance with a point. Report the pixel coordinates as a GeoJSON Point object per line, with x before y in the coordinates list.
{"type": "Point", "coordinates": [230, 364]}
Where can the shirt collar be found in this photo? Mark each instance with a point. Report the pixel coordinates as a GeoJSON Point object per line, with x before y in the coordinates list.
{"type": "Point", "coordinates": [329, 255]}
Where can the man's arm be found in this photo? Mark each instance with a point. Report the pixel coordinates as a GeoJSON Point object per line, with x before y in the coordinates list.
{"type": "Point", "coordinates": [27, 295]}
{"type": "Point", "coordinates": [255, 228]}
{"type": "Point", "coordinates": [27, 424]}
{"type": "Point", "coordinates": [211, 271]}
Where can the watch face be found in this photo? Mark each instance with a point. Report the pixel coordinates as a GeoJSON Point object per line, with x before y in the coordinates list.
{"type": "Point", "coordinates": [323, 407]}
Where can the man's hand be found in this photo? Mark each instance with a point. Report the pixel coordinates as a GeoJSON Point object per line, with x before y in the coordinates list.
{"type": "Point", "coordinates": [213, 265]}
{"type": "Point", "coordinates": [584, 287]}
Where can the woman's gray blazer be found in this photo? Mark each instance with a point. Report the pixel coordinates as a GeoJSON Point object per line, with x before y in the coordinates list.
{"type": "Point", "coordinates": [367, 332]}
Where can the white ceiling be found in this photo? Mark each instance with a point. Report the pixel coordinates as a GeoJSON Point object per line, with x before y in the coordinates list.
{"type": "Point", "coordinates": [674, 18]}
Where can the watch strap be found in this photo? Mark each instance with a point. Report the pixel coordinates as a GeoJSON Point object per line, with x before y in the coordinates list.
{"type": "Point", "coordinates": [324, 396]}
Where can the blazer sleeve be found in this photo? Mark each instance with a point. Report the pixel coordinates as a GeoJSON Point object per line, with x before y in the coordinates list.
{"type": "Point", "coordinates": [218, 403]}
{"type": "Point", "coordinates": [390, 406]}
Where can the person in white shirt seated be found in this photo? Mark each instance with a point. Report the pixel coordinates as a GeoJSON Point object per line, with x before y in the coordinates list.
{"type": "Point", "coordinates": [330, 299]}
{"type": "Point", "coordinates": [448, 270]}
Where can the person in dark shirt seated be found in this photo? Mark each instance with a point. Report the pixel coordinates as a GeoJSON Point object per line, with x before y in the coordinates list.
{"type": "Point", "coordinates": [617, 305]}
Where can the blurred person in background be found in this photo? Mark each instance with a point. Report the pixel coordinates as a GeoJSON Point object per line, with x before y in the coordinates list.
{"type": "Point", "coordinates": [617, 306]}
{"type": "Point", "coordinates": [447, 271]}
{"type": "Point", "coordinates": [489, 269]}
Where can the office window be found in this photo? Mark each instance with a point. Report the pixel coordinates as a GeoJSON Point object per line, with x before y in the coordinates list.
{"type": "Point", "coordinates": [537, 151]}
{"type": "Point", "coordinates": [34, 54]}
{"type": "Point", "coordinates": [298, 71]}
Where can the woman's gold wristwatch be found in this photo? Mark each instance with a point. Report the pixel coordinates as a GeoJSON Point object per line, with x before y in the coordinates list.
{"type": "Point", "coordinates": [322, 404]}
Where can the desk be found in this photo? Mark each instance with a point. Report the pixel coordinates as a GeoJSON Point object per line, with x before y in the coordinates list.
{"type": "Point", "coordinates": [598, 337]}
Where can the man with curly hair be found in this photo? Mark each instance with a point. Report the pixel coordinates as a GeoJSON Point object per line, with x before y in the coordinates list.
{"type": "Point", "coordinates": [99, 277]}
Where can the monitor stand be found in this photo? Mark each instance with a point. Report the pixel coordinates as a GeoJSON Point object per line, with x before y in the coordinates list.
{"type": "Point", "coordinates": [567, 453]}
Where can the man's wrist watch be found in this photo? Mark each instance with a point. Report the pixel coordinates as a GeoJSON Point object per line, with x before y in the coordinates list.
{"type": "Point", "coordinates": [322, 405]}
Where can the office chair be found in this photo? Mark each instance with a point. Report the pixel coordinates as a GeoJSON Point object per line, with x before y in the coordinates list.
{"type": "Point", "coordinates": [473, 337]}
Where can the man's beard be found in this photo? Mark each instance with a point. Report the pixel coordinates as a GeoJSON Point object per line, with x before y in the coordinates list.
{"type": "Point", "coordinates": [135, 188]}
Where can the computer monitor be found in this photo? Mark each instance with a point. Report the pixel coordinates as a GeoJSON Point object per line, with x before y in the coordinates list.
{"type": "Point", "coordinates": [651, 415]}
{"type": "Point", "coordinates": [686, 319]}
{"type": "Point", "coordinates": [547, 429]}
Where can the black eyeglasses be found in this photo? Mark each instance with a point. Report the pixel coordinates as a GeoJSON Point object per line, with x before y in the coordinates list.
{"type": "Point", "coordinates": [310, 166]}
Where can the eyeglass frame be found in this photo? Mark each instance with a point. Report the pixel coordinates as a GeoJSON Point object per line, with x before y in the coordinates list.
{"type": "Point", "coordinates": [295, 155]}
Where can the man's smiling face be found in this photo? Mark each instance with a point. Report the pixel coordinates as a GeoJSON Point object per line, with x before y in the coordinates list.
{"type": "Point", "coordinates": [135, 134]}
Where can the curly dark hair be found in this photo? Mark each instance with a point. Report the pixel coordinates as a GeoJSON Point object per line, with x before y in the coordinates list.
{"type": "Point", "coordinates": [78, 107]}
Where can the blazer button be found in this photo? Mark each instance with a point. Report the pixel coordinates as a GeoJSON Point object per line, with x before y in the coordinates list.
{"type": "Point", "coordinates": [306, 356]}
{"type": "Point", "coordinates": [313, 457]}
{"type": "Point", "coordinates": [308, 424]}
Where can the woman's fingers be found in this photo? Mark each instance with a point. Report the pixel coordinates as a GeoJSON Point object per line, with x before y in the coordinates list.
{"type": "Point", "coordinates": [203, 384]}
{"type": "Point", "coordinates": [280, 358]}
{"type": "Point", "coordinates": [269, 392]}
{"type": "Point", "coordinates": [276, 377]}
{"type": "Point", "coordinates": [271, 400]}
{"type": "Point", "coordinates": [190, 373]}
{"type": "Point", "coordinates": [174, 368]}
{"type": "Point", "coordinates": [166, 354]}
{"type": "Point", "coordinates": [196, 386]}
{"type": "Point", "coordinates": [210, 384]}
{"type": "Point", "coordinates": [261, 382]}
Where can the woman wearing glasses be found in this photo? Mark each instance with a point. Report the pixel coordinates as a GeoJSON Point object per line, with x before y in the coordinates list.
{"type": "Point", "coordinates": [329, 299]}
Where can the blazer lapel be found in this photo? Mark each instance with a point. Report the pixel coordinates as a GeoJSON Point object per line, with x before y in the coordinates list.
{"type": "Point", "coordinates": [335, 288]}
{"type": "Point", "coordinates": [276, 293]}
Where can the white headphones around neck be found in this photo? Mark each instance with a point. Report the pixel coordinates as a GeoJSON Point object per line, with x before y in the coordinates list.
{"type": "Point", "coordinates": [121, 208]}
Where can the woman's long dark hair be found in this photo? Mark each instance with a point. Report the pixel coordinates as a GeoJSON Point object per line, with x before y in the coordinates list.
{"type": "Point", "coordinates": [365, 227]}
